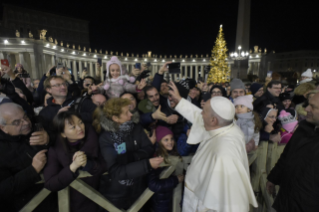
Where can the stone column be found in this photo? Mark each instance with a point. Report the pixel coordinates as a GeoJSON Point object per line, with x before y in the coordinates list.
{"type": "Point", "coordinates": [80, 68]}
{"type": "Point", "coordinates": [44, 64]}
{"type": "Point", "coordinates": [34, 69]}
{"type": "Point", "coordinates": [52, 60]}
{"type": "Point", "coordinates": [91, 69]}
{"type": "Point", "coordinates": [69, 63]}
{"type": "Point", "coordinates": [196, 73]}
{"type": "Point", "coordinates": [95, 67]}
{"type": "Point", "coordinates": [75, 71]}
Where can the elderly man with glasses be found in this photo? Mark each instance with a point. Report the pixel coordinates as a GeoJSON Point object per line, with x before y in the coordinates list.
{"type": "Point", "coordinates": [22, 158]}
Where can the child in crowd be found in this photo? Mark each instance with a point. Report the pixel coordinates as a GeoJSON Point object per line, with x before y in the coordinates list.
{"type": "Point", "coordinates": [162, 199]}
{"type": "Point", "coordinates": [248, 121]}
{"type": "Point", "coordinates": [289, 124]}
{"type": "Point", "coordinates": [116, 83]}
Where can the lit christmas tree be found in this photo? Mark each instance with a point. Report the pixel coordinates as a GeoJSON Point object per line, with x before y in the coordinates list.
{"type": "Point", "coordinates": [219, 71]}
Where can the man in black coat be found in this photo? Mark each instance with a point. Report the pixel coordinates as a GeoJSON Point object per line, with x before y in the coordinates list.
{"type": "Point", "coordinates": [270, 97]}
{"type": "Point", "coordinates": [297, 169]}
{"type": "Point", "coordinates": [22, 158]}
{"type": "Point", "coordinates": [62, 101]}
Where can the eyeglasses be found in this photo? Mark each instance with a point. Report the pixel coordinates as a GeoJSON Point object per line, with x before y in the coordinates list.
{"type": "Point", "coordinates": [216, 93]}
{"type": "Point", "coordinates": [272, 117]}
{"type": "Point", "coordinates": [87, 85]}
{"type": "Point", "coordinates": [59, 85]}
{"type": "Point", "coordinates": [18, 122]}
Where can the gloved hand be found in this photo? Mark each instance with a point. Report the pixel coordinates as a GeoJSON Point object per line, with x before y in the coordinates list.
{"type": "Point", "coordinates": [143, 75]}
{"type": "Point", "coordinates": [6, 86]}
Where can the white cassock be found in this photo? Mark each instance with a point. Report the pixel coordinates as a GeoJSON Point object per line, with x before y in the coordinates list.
{"type": "Point", "coordinates": [218, 176]}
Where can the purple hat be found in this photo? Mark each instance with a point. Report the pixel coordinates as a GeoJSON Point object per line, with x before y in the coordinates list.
{"type": "Point", "coordinates": [19, 65]}
{"type": "Point", "coordinates": [161, 132]}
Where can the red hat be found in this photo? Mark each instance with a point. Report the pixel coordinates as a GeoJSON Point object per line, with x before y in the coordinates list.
{"type": "Point", "coordinates": [161, 132]}
{"type": "Point", "coordinates": [5, 62]}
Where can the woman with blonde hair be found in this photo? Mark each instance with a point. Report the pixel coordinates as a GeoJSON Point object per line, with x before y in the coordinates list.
{"type": "Point", "coordinates": [127, 151]}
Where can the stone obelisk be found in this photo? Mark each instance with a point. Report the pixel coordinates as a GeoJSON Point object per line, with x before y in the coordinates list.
{"type": "Point", "coordinates": [242, 35]}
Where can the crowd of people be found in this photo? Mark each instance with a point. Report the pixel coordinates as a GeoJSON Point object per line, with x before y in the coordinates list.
{"type": "Point", "coordinates": [131, 123]}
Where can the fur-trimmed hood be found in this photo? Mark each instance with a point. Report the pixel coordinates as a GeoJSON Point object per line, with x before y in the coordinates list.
{"type": "Point", "coordinates": [110, 125]}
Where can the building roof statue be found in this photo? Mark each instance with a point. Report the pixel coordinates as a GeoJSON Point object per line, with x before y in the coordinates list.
{"type": "Point", "coordinates": [17, 33]}
{"type": "Point", "coordinates": [42, 34]}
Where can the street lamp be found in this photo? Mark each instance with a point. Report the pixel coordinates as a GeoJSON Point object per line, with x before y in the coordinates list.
{"type": "Point", "coordinates": [239, 55]}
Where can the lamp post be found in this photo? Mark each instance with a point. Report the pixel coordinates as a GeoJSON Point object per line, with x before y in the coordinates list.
{"type": "Point", "coordinates": [239, 55]}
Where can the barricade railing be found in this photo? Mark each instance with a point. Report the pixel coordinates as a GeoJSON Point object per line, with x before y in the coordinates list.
{"type": "Point", "coordinates": [176, 164]}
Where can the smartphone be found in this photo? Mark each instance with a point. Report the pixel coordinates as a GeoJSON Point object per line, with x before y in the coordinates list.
{"type": "Point", "coordinates": [269, 73]}
{"type": "Point", "coordinates": [24, 75]}
{"type": "Point", "coordinates": [70, 70]}
{"type": "Point", "coordinates": [53, 71]}
{"type": "Point", "coordinates": [137, 66]}
{"type": "Point", "coordinates": [174, 68]}
{"type": "Point", "coordinates": [99, 61]}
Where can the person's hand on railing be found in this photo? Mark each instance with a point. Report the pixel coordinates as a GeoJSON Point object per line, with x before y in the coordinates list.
{"type": "Point", "coordinates": [276, 138]}
{"type": "Point", "coordinates": [270, 187]}
{"type": "Point", "coordinates": [155, 162]}
{"type": "Point", "coordinates": [180, 178]}
{"type": "Point", "coordinates": [79, 159]}
{"type": "Point", "coordinates": [39, 160]}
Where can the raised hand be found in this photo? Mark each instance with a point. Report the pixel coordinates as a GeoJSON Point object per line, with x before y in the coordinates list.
{"type": "Point", "coordinates": [158, 115]}
{"type": "Point", "coordinates": [164, 68]}
{"type": "Point", "coordinates": [141, 85]}
{"type": "Point", "coordinates": [153, 137]}
{"type": "Point", "coordinates": [172, 119]}
{"type": "Point", "coordinates": [39, 138]}
{"type": "Point", "coordinates": [174, 92]}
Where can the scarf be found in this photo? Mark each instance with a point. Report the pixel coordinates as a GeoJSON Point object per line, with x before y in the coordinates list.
{"type": "Point", "coordinates": [246, 123]}
{"type": "Point", "coordinates": [123, 131]}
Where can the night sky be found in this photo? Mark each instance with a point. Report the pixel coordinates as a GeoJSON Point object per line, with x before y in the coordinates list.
{"type": "Point", "coordinates": [189, 27]}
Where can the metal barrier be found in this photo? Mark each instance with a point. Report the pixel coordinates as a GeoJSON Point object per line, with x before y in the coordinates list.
{"type": "Point", "coordinates": [175, 164]}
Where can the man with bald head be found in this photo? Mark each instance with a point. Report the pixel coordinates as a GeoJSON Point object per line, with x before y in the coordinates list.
{"type": "Point", "coordinates": [218, 176]}
{"type": "Point", "coordinates": [297, 169]}
{"type": "Point", "coordinates": [22, 158]}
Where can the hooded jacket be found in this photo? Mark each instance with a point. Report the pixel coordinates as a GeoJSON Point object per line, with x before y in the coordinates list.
{"type": "Point", "coordinates": [127, 170]}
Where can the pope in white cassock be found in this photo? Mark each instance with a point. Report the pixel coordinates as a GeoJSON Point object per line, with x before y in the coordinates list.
{"type": "Point", "coordinates": [218, 176]}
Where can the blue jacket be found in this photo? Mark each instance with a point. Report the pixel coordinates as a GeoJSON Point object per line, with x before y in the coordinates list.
{"type": "Point", "coordinates": [183, 148]}
{"type": "Point", "coordinates": [162, 200]}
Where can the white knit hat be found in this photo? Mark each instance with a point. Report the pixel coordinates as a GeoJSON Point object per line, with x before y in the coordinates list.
{"type": "Point", "coordinates": [307, 73]}
{"type": "Point", "coordinates": [114, 60]}
{"type": "Point", "coordinates": [223, 107]}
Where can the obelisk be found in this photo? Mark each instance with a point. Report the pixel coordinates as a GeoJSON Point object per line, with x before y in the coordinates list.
{"type": "Point", "coordinates": [242, 35]}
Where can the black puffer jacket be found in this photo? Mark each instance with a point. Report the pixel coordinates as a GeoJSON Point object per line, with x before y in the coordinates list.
{"type": "Point", "coordinates": [297, 171]}
{"type": "Point", "coordinates": [127, 170]}
{"type": "Point", "coordinates": [18, 177]}
{"type": "Point", "coordinates": [266, 99]}
{"type": "Point", "coordinates": [162, 200]}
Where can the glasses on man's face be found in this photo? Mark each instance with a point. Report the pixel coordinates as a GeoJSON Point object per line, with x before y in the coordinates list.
{"type": "Point", "coordinates": [215, 93]}
{"type": "Point", "coordinates": [87, 85]}
{"type": "Point", "coordinates": [59, 85]}
{"type": "Point", "coordinates": [18, 122]}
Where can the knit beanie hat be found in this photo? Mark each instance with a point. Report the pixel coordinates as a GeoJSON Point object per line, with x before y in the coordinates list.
{"type": "Point", "coordinates": [288, 121]}
{"type": "Point", "coordinates": [245, 100]}
{"type": "Point", "coordinates": [145, 106]}
{"type": "Point", "coordinates": [161, 132]}
{"type": "Point", "coordinates": [19, 65]}
{"type": "Point", "coordinates": [237, 84]}
{"type": "Point", "coordinates": [114, 60]}
{"type": "Point", "coordinates": [183, 87]}
{"type": "Point", "coordinates": [284, 96]}
{"type": "Point", "coordinates": [224, 94]}
{"type": "Point", "coordinates": [255, 87]}
{"type": "Point", "coordinates": [307, 73]}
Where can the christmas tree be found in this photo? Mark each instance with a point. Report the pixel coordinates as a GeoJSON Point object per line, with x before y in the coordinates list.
{"type": "Point", "coordinates": [219, 71]}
